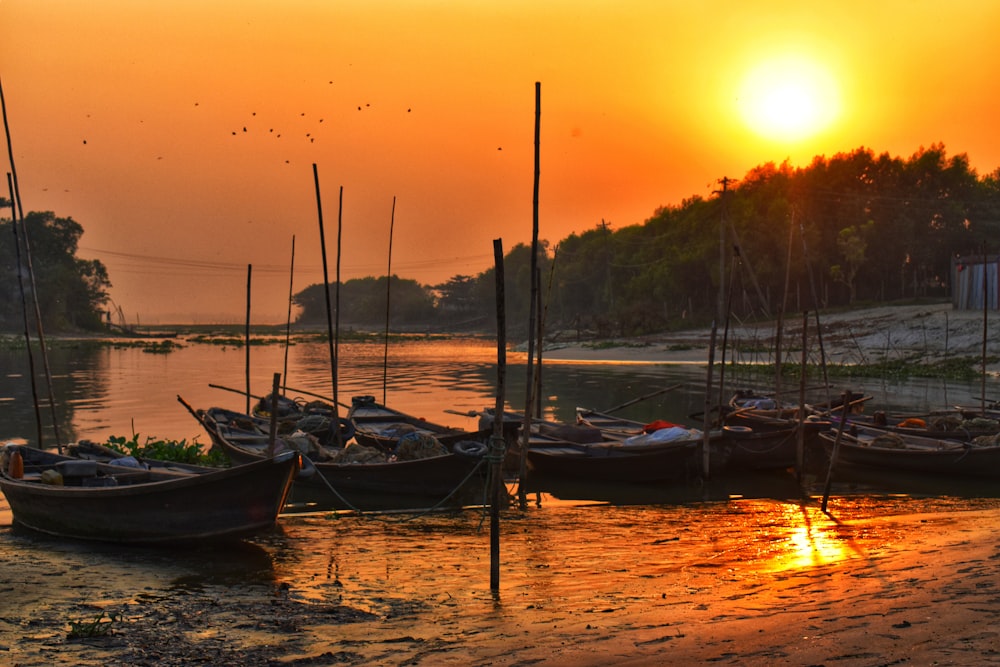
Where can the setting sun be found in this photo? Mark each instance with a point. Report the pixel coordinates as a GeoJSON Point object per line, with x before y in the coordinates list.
{"type": "Point", "coordinates": [788, 98]}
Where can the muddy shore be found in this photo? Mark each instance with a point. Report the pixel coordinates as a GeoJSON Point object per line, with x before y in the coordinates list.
{"type": "Point", "coordinates": [746, 580]}
{"type": "Point", "coordinates": [754, 582]}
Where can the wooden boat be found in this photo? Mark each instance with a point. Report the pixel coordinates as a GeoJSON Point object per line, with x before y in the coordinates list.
{"type": "Point", "coordinates": [768, 445]}
{"type": "Point", "coordinates": [949, 425]}
{"type": "Point", "coordinates": [447, 479]}
{"type": "Point", "coordinates": [314, 417]}
{"type": "Point", "coordinates": [587, 452]}
{"type": "Point", "coordinates": [610, 425]}
{"type": "Point", "coordinates": [612, 461]}
{"type": "Point", "coordinates": [376, 425]}
{"type": "Point", "coordinates": [87, 500]}
{"type": "Point", "coordinates": [872, 448]}
{"type": "Point", "coordinates": [761, 433]}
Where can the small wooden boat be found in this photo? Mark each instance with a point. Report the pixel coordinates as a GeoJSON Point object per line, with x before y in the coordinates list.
{"type": "Point", "coordinates": [376, 425]}
{"type": "Point", "coordinates": [948, 425]}
{"type": "Point", "coordinates": [768, 445]}
{"type": "Point", "coordinates": [615, 451]}
{"type": "Point", "coordinates": [358, 477]}
{"type": "Point", "coordinates": [610, 425]}
{"type": "Point", "coordinates": [88, 500]}
{"type": "Point", "coordinates": [872, 448]}
{"type": "Point", "coordinates": [761, 433]}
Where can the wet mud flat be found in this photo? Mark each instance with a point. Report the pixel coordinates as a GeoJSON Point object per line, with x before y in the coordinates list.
{"type": "Point", "coordinates": [878, 580]}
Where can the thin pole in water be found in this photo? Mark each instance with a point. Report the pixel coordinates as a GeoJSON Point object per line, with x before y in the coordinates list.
{"type": "Point", "coordinates": [388, 290]}
{"type": "Point", "coordinates": [496, 461]}
{"type": "Point", "coordinates": [336, 339]}
{"type": "Point", "coordinates": [329, 308]}
{"type": "Point", "coordinates": [273, 432]}
{"type": "Point", "coordinates": [706, 435]}
{"type": "Point", "coordinates": [288, 321]}
{"type": "Point", "coordinates": [529, 371]}
{"type": "Point", "coordinates": [24, 310]}
{"type": "Point", "coordinates": [800, 443]}
{"type": "Point", "coordinates": [836, 448]}
{"type": "Point", "coordinates": [16, 197]}
{"type": "Point", "coordinates": [246, 341]}
{"type": "Point", "coordinates": [986, 312]}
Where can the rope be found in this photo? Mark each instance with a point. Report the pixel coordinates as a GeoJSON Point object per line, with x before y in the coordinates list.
{"type": "Point", "coordinates": [415, 515]}
{"type": "Point", "coordinates": [495, 454]}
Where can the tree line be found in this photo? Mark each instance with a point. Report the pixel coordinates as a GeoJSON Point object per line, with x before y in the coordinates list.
{"type": "Point", "coordinates": [853, 227]}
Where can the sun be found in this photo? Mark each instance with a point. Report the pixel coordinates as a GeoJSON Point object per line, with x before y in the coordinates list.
{"type": "Point", "coordinates": [788, 98]}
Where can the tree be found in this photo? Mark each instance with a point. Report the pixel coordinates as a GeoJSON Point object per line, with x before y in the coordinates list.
{"type": "Point", "coordinates": [71, 292]}
{"type": "Point", "coordinates": [853, 245]}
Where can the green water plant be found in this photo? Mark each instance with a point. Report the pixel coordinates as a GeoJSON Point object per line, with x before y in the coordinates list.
{"type": "Point", "coordinates": [101, 626]}
{"type": "Point", "coordinates": [178, 451]}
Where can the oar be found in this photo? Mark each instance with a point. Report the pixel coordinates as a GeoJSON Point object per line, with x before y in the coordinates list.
{"type": "Point", "coordinates": [297, 391]}
{"type": "Point", "coordinates": [467, 413]}
{"type": "Point", "coordinates": [642, 398]}
{"type": "Point", "coordinates": [849, 404]}
{"type": "Point", "coordinates": [194, 413]}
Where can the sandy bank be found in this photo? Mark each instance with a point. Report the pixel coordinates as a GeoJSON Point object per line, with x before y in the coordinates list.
{"type": "Point", "coordinates": [933, 332]}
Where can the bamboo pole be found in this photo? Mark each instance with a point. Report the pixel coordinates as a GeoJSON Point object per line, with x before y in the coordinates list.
{"type": "Point", "coordinates": [16, 197]}
{"type": "Point", "coordinates": [800, 434]}
{"type": "Point", "coordinates": [836, 448]}
{"type": "Point", "coordinates": [246, 368]}
{"type": "Point", "coordinates": [388, 290]}
{"type": "Point", "coordinates": [24, 311]}
{"type": "Point", "coordinates": [816, 306]}
{"type": "Point", "coordinates": [496, 463]}
{"type": "Point", "coordinates": [529, 370]}
{"type": "Point", "coordinates": [288, 321]}
{"type": "Point", "coordinates": [336, 339]}
{"type": "Point", "coordinates": [725, 328]}
{"type": "Point", "coordinates": [273, 432]}
{"type": "Point", "coordinates": [781, 314]}
{"type": "Point", "coordinates": [335, 424]}
{"type": "Point", "coordinates": [644, 397]}
{"type": "Point", "coordinates": [283, 387]}
{"type": "Point", "coordinates": [986, 312]}
{"type": "Point", "coordinates": [707, 424]}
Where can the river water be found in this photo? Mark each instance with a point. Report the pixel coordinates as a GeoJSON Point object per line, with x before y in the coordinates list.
{"type": "Point", "coordinates": [581, 552]}
{"type": "Point", "coordinates": [101, 390]}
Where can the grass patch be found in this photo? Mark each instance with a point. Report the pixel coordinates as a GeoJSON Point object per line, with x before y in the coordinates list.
{"type": "Point", "coordinates": [612, 344]}
{"type": "Point", "coordinates": [957, 368]}
{"type": "Point", "coordinates": [102, 626]}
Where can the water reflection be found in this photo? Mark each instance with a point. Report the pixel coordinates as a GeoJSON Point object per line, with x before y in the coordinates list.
{"type": "Point", "coordinates": [103, 391]}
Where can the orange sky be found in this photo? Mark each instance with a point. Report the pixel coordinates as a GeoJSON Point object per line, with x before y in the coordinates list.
{"type": "Point", "coordinates": [123, 116]}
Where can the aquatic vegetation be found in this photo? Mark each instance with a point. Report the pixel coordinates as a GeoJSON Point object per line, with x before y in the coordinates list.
{"type": "Point", "coordinates": [178, 451]}
{"type": "Point", "coordinates": [102, 626]}
{"type": "Point", "coordinates": [612, 344]}
{"type": "Point", "coordinates": [955, 368]}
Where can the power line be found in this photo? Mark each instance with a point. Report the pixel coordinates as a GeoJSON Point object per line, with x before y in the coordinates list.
{"type": "Point", "coordinates": [161, 265]}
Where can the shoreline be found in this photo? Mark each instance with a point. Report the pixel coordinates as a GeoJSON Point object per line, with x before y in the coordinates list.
{"type": "Point", "coordinates": [926, 333]}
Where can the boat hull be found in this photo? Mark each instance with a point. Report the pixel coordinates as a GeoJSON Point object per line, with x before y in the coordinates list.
{"type": "Point", "coordinates": [923, 455]}
{"type": "Point", "coordinates": [451, 480]}
{"type": "Point", "coordinates": [228, 503]}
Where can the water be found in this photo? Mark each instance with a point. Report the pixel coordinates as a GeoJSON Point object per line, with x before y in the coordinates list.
{"type": "Point", "coordinates": [607, 562]}
{"type": "Point", "coordinates": [101, 391]}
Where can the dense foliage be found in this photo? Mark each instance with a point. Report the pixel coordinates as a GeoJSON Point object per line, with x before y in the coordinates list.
{"type": "Point", "coordinates": [71, 291]}
{"type": "Point", "coordinates": [856, 226]}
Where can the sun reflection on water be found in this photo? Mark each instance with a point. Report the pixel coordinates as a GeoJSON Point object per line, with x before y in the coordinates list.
{"type": "Point", "coordinates": [802, 536]}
